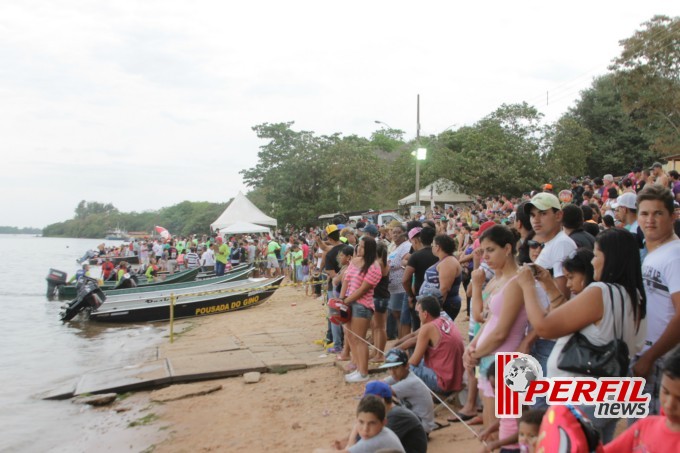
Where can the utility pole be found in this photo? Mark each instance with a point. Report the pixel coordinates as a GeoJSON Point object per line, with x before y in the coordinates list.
{"type": "Point", "coordinates": [418, 142]}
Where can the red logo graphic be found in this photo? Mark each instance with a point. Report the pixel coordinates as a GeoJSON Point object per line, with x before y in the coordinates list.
{"type": "Point", "coordinates": [519, 381]}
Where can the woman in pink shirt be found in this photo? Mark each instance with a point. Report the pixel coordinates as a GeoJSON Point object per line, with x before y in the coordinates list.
{"type": "Point", "coordinates": [361, 277]}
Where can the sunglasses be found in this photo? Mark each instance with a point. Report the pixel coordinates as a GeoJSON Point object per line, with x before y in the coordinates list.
{"type": "Point", "coordinates": [535, 244]}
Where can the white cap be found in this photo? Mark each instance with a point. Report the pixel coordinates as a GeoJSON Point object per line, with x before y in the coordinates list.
{"type": "Point", "coordinates": [627, 200]}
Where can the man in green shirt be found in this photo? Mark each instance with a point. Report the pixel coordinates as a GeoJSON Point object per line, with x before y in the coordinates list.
{"type": "Point", "coordinates": [272, 259]}
{"type": "Point", "coordinates": [296, 258]}
{"type": "Point", "coordinates": [221, 256]}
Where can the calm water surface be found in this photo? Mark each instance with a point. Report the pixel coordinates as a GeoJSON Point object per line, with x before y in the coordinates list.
{"type": "Point", "coordinates": [38, 352]}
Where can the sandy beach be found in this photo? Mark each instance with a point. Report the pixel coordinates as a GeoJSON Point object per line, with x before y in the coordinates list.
{"type": "Point", "coordinates": [294, 410]}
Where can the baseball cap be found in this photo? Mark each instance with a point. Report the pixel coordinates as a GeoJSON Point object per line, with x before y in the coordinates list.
{"type": "Point", "coordinates": [378, 388]}
{"type": "Point", "coordinates": [414, 231]}
{"type": "Point", "coordinates": [486, 225]}
{"type": "Point", "coordinates": [543, 201]}
{"type": "Point", "coordinates": [627, 200]}
{"type": "Point", "coordinates": [656, 165]}
{"type": "Point", "coordinates": [394, 357]}
{"type": "Point", "coordinates": [331, 228]}
{"type": "Point", "coordinates": [371, 229]}
{"type": "Point", "coordinates": [341, 226]}
{"type": "Point", "coordinates": [547, 186]}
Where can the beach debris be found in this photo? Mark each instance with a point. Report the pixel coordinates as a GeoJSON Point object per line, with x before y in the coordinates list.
{"type": "Point", "coordinates": [296, 425]}
{"type": "Point", "coordinates": [180, 391]}
{"type": "Point", "coordinates": [253, 377]}
{"type": "Point", "coordinates": [96, 400]}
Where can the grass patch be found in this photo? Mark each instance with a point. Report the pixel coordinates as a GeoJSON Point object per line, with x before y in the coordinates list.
{"type": "Point", "coordinates": [146, 420]}
{"type": "Point", "coordinates": [149, 449]}
{"type": "Point", "coordinates": [123, 396]}
{"type": "Point", "coordinates": [278, 370]}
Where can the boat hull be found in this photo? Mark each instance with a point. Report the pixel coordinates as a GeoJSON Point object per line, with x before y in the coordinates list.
{"type": "Point", "coordinates": [159, 309]}
{"type": "Point", "coordinates": [70, 292]}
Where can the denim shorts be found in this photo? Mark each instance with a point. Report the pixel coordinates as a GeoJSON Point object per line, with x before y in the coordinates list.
{"type": "Point", "coordinates": [359, 311]}
{"type": "Point", "coordinates": [380, 304]}
{"type": "Point", "coordinates": [396, 301]}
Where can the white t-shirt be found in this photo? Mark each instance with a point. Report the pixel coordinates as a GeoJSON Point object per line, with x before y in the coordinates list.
{"type": "Point", "coordinates": [603, 333]}
{"type": "Point", "coordinates": [661, 277]}
{"type": "Point", "coordinates": [396, 269]}
{"type": "Point", "coordinates": [554, 252]}
{"type": "Point", "coordinates": [208, 258]}
{"type": "Point", "coordinates": [415, 395]}
{"type": "Point", "coordinates": [384, 439]}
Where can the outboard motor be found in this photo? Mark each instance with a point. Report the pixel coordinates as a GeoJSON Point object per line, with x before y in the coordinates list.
{"type": "Point", "coordinates": [89, 295]}
{"type": "Point", "coordinates": [54, 279]}
{"type": "Point", "coordinates": [127, 281]}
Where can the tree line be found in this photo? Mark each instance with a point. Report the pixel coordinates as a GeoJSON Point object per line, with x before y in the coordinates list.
{"type": "Point", "coordinates": [93, 219]}
{"type": "Point", "coordinates": [628, 117]}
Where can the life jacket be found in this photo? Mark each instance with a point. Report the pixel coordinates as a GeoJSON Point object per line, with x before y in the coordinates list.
{"type": "Point", "coordinates": [565, 428]}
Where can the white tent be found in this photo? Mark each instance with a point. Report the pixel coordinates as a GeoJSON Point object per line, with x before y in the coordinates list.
{"type": "Point", "coordinates": [244, 227]}
{"type": "Point", "coordinates": [241, 209]}
{"type": "Point", "coordinates": [440, 191]}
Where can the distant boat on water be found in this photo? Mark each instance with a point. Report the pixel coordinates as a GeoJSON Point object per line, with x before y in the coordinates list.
{"type": "Point", "coordinates": [117, 235]}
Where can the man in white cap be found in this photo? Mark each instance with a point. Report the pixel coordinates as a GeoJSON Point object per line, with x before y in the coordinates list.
{"type": "Point", "coordinates": [626, 211]}
{"type": "Point", "coordinates": [545, 214]}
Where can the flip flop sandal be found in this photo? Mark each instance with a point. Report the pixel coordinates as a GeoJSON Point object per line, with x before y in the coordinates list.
{"type": "Point", "coordinates": [463, 417]}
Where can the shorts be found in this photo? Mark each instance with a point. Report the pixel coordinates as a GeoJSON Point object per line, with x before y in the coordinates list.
{"type": "Point", "coordinates": [380, 304]}
{"type": "Point", "coordinates": [359, 311]}
{"type": "Point", "coordinates": [272, 262]}
{"type": "Point", "coordinates": [396, 301]}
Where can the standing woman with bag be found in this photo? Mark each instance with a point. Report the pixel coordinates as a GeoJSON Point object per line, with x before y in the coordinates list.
{"type": "Point", "coordinates": [610, 311]}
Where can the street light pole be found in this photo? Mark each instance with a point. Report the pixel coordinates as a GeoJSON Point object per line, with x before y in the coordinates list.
{"type": "Point", "coordinates": [417, 157]}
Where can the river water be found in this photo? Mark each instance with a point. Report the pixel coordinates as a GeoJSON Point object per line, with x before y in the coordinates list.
{"type": "Point", "coordinates": [38, 352]}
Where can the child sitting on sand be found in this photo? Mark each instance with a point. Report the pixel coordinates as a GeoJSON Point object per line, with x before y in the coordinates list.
{"type": "Point", "coordinates": [370, 426]}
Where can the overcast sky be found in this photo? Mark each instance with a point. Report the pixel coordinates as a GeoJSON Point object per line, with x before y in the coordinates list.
{"type": "Point", "coordinates": [145, 104]}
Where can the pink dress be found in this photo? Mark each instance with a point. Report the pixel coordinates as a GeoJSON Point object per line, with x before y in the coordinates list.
{"type": "Point", "coordinates": [512, 341]}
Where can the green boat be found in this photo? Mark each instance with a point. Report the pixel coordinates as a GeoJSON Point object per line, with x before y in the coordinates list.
{"type": "Point", "coordinates": [238, 273]}
{"type": "Point", "coordinates": [69, 291]}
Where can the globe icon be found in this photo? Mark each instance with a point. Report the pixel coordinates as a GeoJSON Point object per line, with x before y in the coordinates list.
{"type": "Point", "coordinates": [520, 372]}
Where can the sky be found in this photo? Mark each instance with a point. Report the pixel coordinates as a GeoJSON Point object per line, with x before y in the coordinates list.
{"type": "Point", "coordinates": [145, 104]}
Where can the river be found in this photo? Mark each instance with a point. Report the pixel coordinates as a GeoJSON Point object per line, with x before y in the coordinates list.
{"type": "Point", "coordinates": [38, 352]}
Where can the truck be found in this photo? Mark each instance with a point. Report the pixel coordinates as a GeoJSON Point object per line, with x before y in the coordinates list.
{"type": "Point", "coordinates": [379, 218]}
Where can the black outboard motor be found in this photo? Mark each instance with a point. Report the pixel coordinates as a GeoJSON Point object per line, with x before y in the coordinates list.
{"type": "Point", "coordinates": [127, 281]}
{"type": "Point", "coordinates": [54, 279]}
{"type": "Point", "coordinates": [89, 295]}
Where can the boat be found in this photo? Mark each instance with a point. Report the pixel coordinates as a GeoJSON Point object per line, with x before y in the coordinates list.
{"type": "Point", "coordinates": [116, 260]}
{"type": "Point", "coordinates": [69, 291]}
{"type": "Point", "coordinates": [155, 306]}
{"type": "Point", "coordinates": [117, 235]}
{"type": "Point", "coordinates": [90, 295]}
{"type": "Point", "coordinates": [236, 274]}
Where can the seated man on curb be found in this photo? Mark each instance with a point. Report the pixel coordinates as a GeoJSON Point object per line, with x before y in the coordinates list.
{"type": "Point", "coordinates": [410, 390]}
{"type": "Point", "coordinates": [438, 348]}
{"type": "Point", "coordinates": [370, 426]}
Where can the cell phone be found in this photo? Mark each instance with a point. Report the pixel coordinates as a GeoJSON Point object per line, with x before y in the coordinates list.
{"type": "Point", "coordinates": [534, 269]}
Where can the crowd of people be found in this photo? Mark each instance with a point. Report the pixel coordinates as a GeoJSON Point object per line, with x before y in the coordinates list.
{"type": "Point", "coordinates": [601, 260]}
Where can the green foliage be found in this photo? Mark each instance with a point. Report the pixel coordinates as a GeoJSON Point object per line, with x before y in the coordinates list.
{"type": "Point", "coordinates": [618, 143]}
{"type": "Point", "coordinates": [569, 147]}
{"type": "Point", "coordinates": [647, 74]}
{"type": "Point", "coordinates": [93, 220]}
{"type": "Point", "coordinates": [16, 230]}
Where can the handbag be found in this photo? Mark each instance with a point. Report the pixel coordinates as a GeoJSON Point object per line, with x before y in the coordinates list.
{"type": "Point", "coordinates": [610, 360]}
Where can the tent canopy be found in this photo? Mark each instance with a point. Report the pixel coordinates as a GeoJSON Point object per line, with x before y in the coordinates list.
{"type": "Point", "coordinates": [244, 227]}
{"type": "Point", "coordinates": [241, 209]}
{"type": "Point", "coordinates": [440, 191]}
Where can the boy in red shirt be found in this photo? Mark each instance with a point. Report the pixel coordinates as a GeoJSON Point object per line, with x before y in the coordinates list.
{"type": "Point", "coordinates": [656, 433]}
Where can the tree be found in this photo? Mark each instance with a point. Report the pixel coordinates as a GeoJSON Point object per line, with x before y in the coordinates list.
{"type": "Point", "coordinates": [618, 143]}
{"type": "Point", "coordinates": [648, 75]}
{"type": "Point", "coordinates": [569, 146]}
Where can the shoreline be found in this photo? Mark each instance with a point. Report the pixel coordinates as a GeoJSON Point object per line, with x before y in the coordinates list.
{"type": "Point", "coordinates": [300, 405]}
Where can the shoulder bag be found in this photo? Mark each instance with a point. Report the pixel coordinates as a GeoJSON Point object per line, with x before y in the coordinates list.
{"type": "Point", "coordinates": [581, 356]}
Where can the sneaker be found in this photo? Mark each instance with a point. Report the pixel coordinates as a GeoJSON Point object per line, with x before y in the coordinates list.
{"type": "Point", "coordinates": [355, 377]}
{"type": "Point", "coordinates": [334, 350]}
